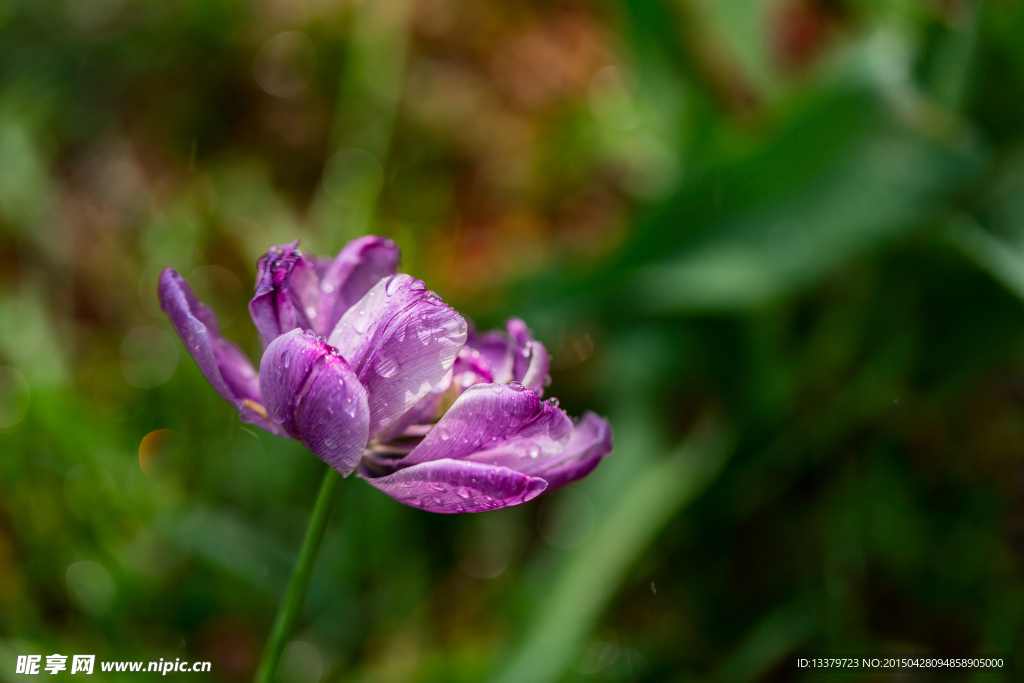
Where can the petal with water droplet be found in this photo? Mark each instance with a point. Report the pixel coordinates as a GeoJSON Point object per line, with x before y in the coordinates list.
{"type": "Point", "coordinates": [404, 330]}
{"type": "Point", "coordinates": [316, 398]}
{"type": "Point", "coordinates": [224, 364]}
{"type": "Point", "coordinates": [451, 486]}
{"type": "Point", "coordinates": [497, 424]}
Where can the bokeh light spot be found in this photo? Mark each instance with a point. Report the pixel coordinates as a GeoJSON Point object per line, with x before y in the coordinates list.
{"type": "Point", "coordinates": [610, 101]}
{"type": "Point", "coordinates": [152, 450]}
{"type": "Point", "coordinates": [487, 547]}
{"type": "Point", "coordinates": [353, 178]}
{"type": "Point", "coordinates": [285, 64]}
{"type": "Point", "coordinates": [597, 657]}
{"type": "Point", "coordinates": [148, 357]}
{"type": "Point", "coordinates": [89, 15]}
{"type": "Point", "coordinates": [91, 587]}
{"type": "Point", "coordinates": [566, 519]}
{"type": "Point", "coordinates": [14, 396]}
{"type": "Point", "coordinates": [300, 663]}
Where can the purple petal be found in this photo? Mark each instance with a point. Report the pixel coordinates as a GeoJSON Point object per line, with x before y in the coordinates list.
{"type": "Point", "coordinates": [591, 441]}
{"type": "Point", "coordinates": [497, 349]}
{"type": "Point", "coordinates": [312, 393]}
{"type": "Point", "coordinates": [225, 366]}
{"type": "Point", "coordinates": [223, 363]}
{"type": "Point", "coordinates": [450, 486]}
{"type": "Point", "coordinates": [400, 340]}
{"type": "Point", "coordinates": [514, 356]}
{"type": "Point", "coordinates": [497, 424]}
{"type": "Point", "coordinates": [469, 368]}
{"type": "Point", "coordinates": [287, 292]}
{"type": "Point", "coordinates": [356, 268]}
{"type": "Point", "coordinates": [531, 360]}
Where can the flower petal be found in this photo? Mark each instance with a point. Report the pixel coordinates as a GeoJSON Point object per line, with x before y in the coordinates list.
{"type": "Point", "coordinates": [591, 441]}
{"type": "Point", "coordinates": [225, 366]}
{"type": "Point", "coordinates": [400, 340]}
{"type": "Point", "coordinates": [223, 363]}
{"type": "Point", "coordinates": [356, 268]}
{"type": "Point", "coordinates": [450, 486]}
{"type": "Point", "coordinates": [469, 368]}
{"type": "Point", "coordinates": [496, 348]}
{"type": "Point", "coordinates": [497, 424]}
{"type": "Point", "coordinates": [287, 292]}
{"type": "Point", "coordinates": [514, 356]}
{"type": "Point", "coordinates": [312, 393]}
{"type": "Point", "coordinates": [531, 360]}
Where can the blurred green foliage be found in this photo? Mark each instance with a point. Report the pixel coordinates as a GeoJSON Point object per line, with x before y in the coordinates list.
{"type": "Point", "coordinates": [779, 243]}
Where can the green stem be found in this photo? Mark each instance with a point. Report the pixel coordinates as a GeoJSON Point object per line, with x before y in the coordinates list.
{"type": "Point", "coordinates": [295, 595]}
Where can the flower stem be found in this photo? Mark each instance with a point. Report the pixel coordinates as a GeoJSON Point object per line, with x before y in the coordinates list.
{"type": "Point", "coordinates": [295, 595]}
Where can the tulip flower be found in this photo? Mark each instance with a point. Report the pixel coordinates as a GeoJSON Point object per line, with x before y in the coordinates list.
{"type": "Point", "coordinates": [395, 390]}
{"type": "Point", "coordinates": [376, 375]}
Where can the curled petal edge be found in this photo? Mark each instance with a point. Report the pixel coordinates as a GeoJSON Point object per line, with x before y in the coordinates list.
{"type": "Point", "coordinates": [452, 486]}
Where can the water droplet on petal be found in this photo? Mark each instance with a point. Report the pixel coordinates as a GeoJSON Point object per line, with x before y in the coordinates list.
{"type": "Point", "coordinates": [553, 401]}
{"type": "Point", "coordinates": [417, 286]}
{"type": "Point", "coordinates": [392, 286]}
{"type": "Point", "coordinates": [361, 321]}
{"type": "Point", "coordinates": [386, 367]}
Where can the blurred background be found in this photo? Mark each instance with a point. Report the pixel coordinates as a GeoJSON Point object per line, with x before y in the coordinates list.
{"type": "Point", "coordinates": [779, 243]}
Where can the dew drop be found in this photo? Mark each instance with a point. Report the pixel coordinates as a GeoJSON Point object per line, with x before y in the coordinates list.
{"type": "Point", "coordinates": [463, 492]}
{"type": "Point", "coordinates": [392, 286]}
{"type": "Point", "coordinates": [361, 322]}
{"type": "Point", "coordinates": [417, 286]}
{"type": "Point", "coordinates": [553, 401]}
{"type": "Point", "coordinates": [386, 367]}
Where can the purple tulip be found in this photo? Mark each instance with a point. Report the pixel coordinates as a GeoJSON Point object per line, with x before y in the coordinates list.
{"type": "Point", "coordinates": [375, 374]}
